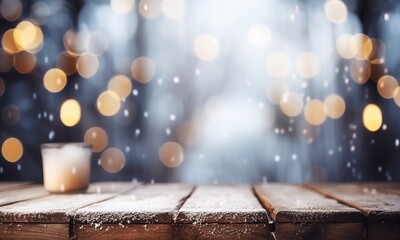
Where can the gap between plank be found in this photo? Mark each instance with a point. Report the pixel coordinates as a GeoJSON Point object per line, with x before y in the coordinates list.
{"type": "Point", "coordinates": [365, 220]}
{"type": "Point", "coordinates": [181, 202]}
{"type": "Point", "coordinates": [270, 222]}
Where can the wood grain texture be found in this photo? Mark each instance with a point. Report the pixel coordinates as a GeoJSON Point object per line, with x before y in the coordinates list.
{"type": "Point", "coordinates": [325, 231]}
{"type": "Point", "coordinates": [384, 231]}
{"type": "Point", "coordinates": [154, 203]}
{"type": "Point", "coordinates": [377, 205]}
{"type": "Point", "coordinates": [21, 194]}
{"type": "Point", "coordinates": [33, 231]}
{"type": "Point", "coordinates": [384, 186]}
{"type": "Point", "coordinates": [9, 185]}
{"type": "Point", "coordinates": [222, 231]}
{"type": "Point", "coordinates": [295, 204]}
{"type": "Point", "coordinates": [222, 204]}
{"type": "Point", "coordinates": [380, 207]}
{"type": "Point", "coordinates": [124, 231]}
{"type": "Point", "coordinates": [57, 208]}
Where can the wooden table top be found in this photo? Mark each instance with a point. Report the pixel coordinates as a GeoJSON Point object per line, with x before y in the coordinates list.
{"type": "Point", "coordinates": [121, 210]}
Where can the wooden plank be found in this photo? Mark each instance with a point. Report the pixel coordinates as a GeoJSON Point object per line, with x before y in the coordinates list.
{"type": "Point", "coordinates": [146, 212]}
{"type": "Point", "coordinates": [300, 213]}
{"type": "Point", "coordinates": [21, 194]}
{"type": "Point", "coordinates": [306, 230]}
{"type": "Point", "coordinates": [9, 185]}
{"type": "Point", "coordinates": [33, 231]}
{"type": "Point", "coordinates": [381, 208]}
{"type": "Point", "coordinates": [222, 212]}
{"type": "Point", "coordinates": [222, 204]}
{"type": "Point", "coordinates": [292, 203]}
{"type": "Point", "coordinates": [222, 231]}
{"type": "Point", "coordinates": [124, 231]}
{"type": "Point", "coordinates": [377, 205]}
{"type": "Point", "coordinates": [153, 203]}
{"type": "Point", "coordinates": [57, 208]}
{"type": "Point", "coordinates": [383, 186]}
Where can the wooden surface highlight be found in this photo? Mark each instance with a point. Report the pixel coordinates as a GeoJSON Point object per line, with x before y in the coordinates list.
{"type": "Point", "coordinates": [57, 208]}
{"type": "Point", "coordinates": [222, 212]}
{"type": "Point", "coordinates": [295, 204]}
{"type": "Point", "coordinates": [21, 194]}
{"type": "Point", "coordinates": [9, 185]}
{"type": "Point", "coordinates": [154, 203]}
{"type": "Point", "coordinates": [300, 213]}
{"type": "Point", "coordinates": [378, 202]}
{"type": "Point", "coordinates": [222, 204]}
{"type": "Point", "coordinates": [377, 205]}
{"type": "Point", "coordinates": [174, 211]}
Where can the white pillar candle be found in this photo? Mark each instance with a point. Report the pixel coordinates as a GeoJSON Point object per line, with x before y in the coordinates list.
{"type": "Point", "coordinates": [66, 166]}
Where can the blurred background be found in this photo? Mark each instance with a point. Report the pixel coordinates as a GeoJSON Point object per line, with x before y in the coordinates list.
{"type": "Point", "coordinates": [211, 91]}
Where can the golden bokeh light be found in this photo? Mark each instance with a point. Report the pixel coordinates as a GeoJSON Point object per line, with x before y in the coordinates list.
{"type": "Point", "coordinates": [335, 11]}
{"type": "Point", "coordinates": [343, 46]}
{"type": "Point", "coordinates": [112, 160]}
{"type": "Point", "coordinates": [6, 61]}
{"type": "Point", "coordinates": [307, 65]}
{"type": "Point", "coordinates": [8, 43]}
{"type": "Point", "coordinates": [314, 112]}
{"type": "Point", "coordinates": [122, 6]}
{"type": "Point", "coordinates": [360, 71]}
{"type": "Point", "coordinates": [67, 63]}
{"type": "Point", "coordinates": [335, 106]}
{"type": "Point", "coordinates": [396, 96]}
{"type": "Point", "coordinates": [11, 9]}
{"type": "Point", "coordinates": [386, 86]}
{"type": "Point", "coordinates": [12, 149]}
{"type": "Point", "coordinates": [291, 104]}
{"type": "Point", "coordinates": [143, 69]}
{"type": "Point", "coordinates": [278, 65]}
{"type": "Point", "coordinates": [108, 103]}
{"type": "Point", "coordinates": [358, 44]}
{"type": "Point", "coordinates": [187, 133]}
{"type": "Point", "coordinates": [149, 8]}
{"type": "Point", "coordinates": [87, 65]}
{"type": "Point", "coordinates": [121, 85]}
{"type": "Point", "coordinates": [174, 9]}
{"type": "Point", "coordinates": [372, 117]}
{"type": "Point", "coordinates": [375, 51]}
{"type": "Point", "coordinates": [70, 112]}
{"type": "Point", "coordinates": [54, 80]}
{"type": "Point", "coordinates": [206, 47]}
{"type": "Point", "coordinates": [28, 36]}
{"type": "Point", "coordinates": [2, 87]}
{"type": "Point", "coordinates": [97, 137]}
{"type": "Point", "coordinates": [259, 35]}
{"type": "Point", "coordinates": [171, 154]}
{"type": "Point", "coordinates": [275, 91]}
{"type": "Point", "coordinates": [24, 62]}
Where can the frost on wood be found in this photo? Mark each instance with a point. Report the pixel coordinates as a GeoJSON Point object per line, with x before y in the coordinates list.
{"type": "Point", "coordinates": [288, 203]}
{"type": "Point", "coordinates": [222, 204]}
{"type": "Point", "coordinates": [150, 204]}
